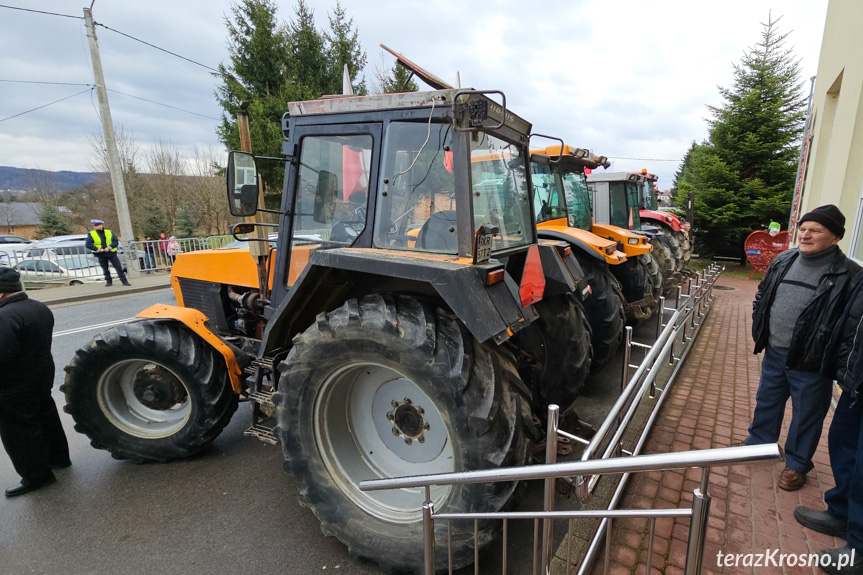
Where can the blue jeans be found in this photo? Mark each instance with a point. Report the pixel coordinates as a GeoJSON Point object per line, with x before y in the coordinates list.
{"type": "Point", "coordinates": [810, 394]}
{"type": "Point", "coordinates": [846, 459]}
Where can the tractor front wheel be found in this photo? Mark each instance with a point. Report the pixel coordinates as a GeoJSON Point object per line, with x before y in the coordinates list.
{"type": "Point", "coordinates": [149, 391]}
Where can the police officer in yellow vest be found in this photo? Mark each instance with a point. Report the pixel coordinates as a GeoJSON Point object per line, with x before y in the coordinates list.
{"type": "Point", "coordinates": [103, 243]}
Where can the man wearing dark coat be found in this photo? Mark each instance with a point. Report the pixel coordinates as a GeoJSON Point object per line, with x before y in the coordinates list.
{"type": "Point", "coordinates": [30, 426]}
{"type": "Point", "coordinates": [796, 307]}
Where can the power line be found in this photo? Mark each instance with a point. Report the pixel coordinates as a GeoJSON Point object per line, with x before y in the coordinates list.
{"type": "Point", "coordinates": [156, 47]}
{"type": "Point", "coordinates": [49, 83]}
{"type": "Point", "coordinates": [160, 104]}
{"type": "Point", "coordinates": [641, 159]}
{"type": "Point", "coordinates": [41, 12]}
{"type": "Point", "coordinates": [46, 105]}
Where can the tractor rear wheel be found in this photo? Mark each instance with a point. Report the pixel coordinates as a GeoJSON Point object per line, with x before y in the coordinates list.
{"type": "Point", "coordinates": [665, 260]}
{"type": "Point", "coordinates": [388, 386]}
{"type": "Point", "coordinates": [604, 311]}
{"type": "Point", "coordinates": [557, 346]}
{"type": "Point", "coordinates": [149, 391]}
{"type": "Point", "coordinates": [653, 273]}
{"type": "Point", "coordinates": [686, 246]}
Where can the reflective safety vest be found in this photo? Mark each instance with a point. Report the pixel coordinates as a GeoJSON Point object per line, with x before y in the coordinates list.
{"type": "Point", "coordinates": [97, 239]}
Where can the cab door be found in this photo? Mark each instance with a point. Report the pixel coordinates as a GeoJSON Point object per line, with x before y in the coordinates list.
{"type": "Point", "coordinates": [331, 185]}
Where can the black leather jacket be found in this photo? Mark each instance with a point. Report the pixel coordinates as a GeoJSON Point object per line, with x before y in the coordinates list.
{"type": "Point", "coordinates": [843, 358]}
{"type": "Point", "coordinates": [816, 322]}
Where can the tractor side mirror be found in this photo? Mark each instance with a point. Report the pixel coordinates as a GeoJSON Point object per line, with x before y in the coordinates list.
{"type": "Point", "coordinates": [242, 184]}
{"type": "Point", "coordinates": [325, 197]}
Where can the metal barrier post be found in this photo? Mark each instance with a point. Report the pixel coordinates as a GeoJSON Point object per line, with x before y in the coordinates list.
{"type": "Point", "coordinates": [698, 526]}
{"type": "Point", "coordinates": [428, 533]}
{"type": "Point", "coordinates": [627, 355]}
{"type": "Point", "coordinates": [550, 457]}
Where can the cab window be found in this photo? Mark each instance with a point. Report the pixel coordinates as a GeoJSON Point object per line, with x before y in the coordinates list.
{"type": "Point", "coordinates": [500, 190]}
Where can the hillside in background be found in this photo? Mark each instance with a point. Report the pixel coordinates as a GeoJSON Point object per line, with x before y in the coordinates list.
{"type": "Point", "coordinates": [22, 179]}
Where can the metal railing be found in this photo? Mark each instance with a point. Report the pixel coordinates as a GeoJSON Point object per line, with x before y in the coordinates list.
{"type": "Point", "coordinates": [683, 326]}
{"type": "Point", "coordinates": [698, 513]}
{"type": "Point", "coordinates": [159, 254]}
{"type": "Point", "coordinates": [600, 456]}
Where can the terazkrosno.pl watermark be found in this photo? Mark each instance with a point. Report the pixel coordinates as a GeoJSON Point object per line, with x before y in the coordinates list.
{"type": "Point", "coordinates": [772, 557]}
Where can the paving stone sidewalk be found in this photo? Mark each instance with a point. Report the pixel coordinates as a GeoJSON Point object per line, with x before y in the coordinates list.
{"type": "Point", "coordinates": [710, 406]}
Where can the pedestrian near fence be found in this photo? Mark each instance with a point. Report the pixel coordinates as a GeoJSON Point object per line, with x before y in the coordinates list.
{"type": "Point", "coordinates": [30, 426]}
{"type": "Point", "coordinates": [103, 244]}
{"type": "Point", "coordinates": [796, 307]}
{"type": "Point", "coordinates": [843, 360]}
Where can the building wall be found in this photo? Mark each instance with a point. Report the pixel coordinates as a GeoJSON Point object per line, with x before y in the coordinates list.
{"type": "Point", "coordinates": [834, 173]}
{"type": "Point", "coordinates": [28, 232]}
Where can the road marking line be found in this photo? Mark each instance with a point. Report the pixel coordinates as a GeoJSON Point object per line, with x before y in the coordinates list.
{"type": "Point", "coordinates": [91, 327]}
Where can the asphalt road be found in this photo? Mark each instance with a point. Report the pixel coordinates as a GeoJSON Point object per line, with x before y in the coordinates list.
{"type": "Point", "coordinates": [230, 510]}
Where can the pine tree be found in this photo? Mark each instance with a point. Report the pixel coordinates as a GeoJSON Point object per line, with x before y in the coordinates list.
{"type": "Point", "coordinates": [399, 80]}
{"type": "Point", "coordinates": [187, 223]}
{"type": "Point", "coordinates": [307, 59]}
{"type": "Point", "coordinates": [52, 223]}
{"type": "Point", "coordinates": [743, 176]}
{"type": "Point", "coordinates": [258, 74]}
{"type": "Point", "coordinates": [343, 47]}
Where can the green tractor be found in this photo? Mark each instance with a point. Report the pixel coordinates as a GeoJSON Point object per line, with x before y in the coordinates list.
{"type": "Point", "coordinates": [408, 321]}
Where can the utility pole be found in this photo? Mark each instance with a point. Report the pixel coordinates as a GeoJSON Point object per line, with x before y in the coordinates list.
{"type": "Point", "coordinates": [110, 141]}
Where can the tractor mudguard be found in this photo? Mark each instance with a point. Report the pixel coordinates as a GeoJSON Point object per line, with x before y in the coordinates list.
{"type": "Point", "coordinates": [335, 275]}
{"type": "Point", "coordinates": [197, 322]}
{"type": "Point", "coordinates": [562, 272]}
{"type": "Point", "coordinates": [577, 242]}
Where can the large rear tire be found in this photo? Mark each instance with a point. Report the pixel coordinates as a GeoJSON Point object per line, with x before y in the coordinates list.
{"type": "Point", "coordinates": [149, 391]}
{"type": "Point", "coordinates": [557, 348]}
{"type": "Point", "coordinates": [388, 386]}
{"type": "Point", "coordinates": [686, 246]}
{"type": "Point", "coordinates": [653, 273]}
{"type": "Point", "coordinates": [604, 311]}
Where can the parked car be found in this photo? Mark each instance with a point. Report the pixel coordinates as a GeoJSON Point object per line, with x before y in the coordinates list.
{"type": "Point", "coordinates": [8, 246]}
{"type": "Point", "coordinates": [74, 270]}
{"type": "Point", "coordinates": [57, 248]}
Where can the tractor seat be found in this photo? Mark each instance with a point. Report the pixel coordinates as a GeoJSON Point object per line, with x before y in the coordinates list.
{"type": "Point", "coordinates": [438, 233]}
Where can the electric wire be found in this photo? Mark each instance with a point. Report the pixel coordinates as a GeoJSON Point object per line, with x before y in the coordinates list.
{"type": "Point", "coordinates": [41, 12]}
{"type": "Point", "coordinates": [156, 47]}
{"type": "Point", "coordinates": [50, 83]}
{"type": "Point", "coordinates": [46, 105]}
{"type": "Point", "coordinates": [160, 104]}
{"type": "Point", "coordinates": [641, 159]}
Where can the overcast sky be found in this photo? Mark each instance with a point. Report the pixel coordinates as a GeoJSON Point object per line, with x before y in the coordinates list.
{"type": "Point", "coordinates": [626, 78]}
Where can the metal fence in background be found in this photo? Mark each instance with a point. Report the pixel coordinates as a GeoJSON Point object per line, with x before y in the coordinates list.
{"type": "Point", "coordinates": [159, 254]}
{"type": "Point", "coordinates": [69, 262]}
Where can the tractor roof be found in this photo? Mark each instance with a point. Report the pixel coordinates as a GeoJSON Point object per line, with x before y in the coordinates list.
{"type": "Point", "coordinates": [615, 177]}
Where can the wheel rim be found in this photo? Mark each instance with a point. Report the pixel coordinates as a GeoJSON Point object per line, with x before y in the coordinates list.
{"type": "Point", "coordinates": [372, 422]}
{"type": "Point", "coordinates": [144, 399]}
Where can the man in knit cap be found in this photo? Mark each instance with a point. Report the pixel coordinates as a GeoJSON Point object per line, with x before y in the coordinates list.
{"type": "Point", "coordinates": [796, 308]}
{"type": "Point", "coordinates": [30, 426]}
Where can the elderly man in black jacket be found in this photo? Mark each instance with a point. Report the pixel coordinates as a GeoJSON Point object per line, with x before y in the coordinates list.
{"type": "Point", "coordinates": [30, 426]}
{"type": "Point", "coordinates": [797, 305]}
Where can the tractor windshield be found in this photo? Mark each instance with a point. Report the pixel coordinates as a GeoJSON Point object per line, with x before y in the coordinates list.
{"type": "Point", "coordinates": [623, 200]}
{"type": "Point", "coordinates": [416, 209]}
{"type": "Point", "coordinates": [500, 190]}
{"type": "Point", "coordinates": [547, 199]}
{"type": "Point", "coordinates": [577, 200]}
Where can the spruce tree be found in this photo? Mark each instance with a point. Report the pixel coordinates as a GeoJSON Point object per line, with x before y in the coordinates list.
{"type": "Point", "coordinates": [343, 47]}
{"type": "Point", "coordinates": [258, 74]}
{"type": "Point", "coordinates": [399, 80]}
{"type": "Point", "coordinates": [743, 176]}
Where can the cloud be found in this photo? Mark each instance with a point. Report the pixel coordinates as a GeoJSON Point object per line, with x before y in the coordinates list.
{"type": "Point", "coordinates": [627, 78]}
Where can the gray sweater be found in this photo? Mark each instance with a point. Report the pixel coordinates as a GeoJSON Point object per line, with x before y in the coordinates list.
{"type": "Point", "coordinates": [794, 293]}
